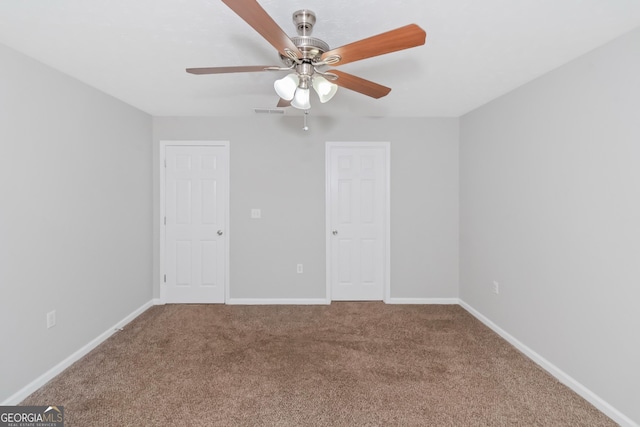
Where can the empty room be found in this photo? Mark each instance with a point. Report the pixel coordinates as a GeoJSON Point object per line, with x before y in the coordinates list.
{"type": "Point", "coordinates": [240, 212]}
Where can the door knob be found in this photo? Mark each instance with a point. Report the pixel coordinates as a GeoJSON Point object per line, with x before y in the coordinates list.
{"type": "Point", "coordinates": [219, 232]}
{"type": "Point", "coordinates": [335, 232]}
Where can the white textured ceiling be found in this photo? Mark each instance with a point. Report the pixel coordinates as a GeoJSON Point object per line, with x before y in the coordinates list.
{"type": "Point", "coordinates": [476, 50]}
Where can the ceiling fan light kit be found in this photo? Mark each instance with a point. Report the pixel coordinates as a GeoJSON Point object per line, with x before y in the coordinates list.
{"type": "Point", "coordinates": [286, 86]}
{"type": "Point", "coordinates": [306, 57]}
{"type": "Point", "coordinates": [324, 88]}
{"type": "Point", "coordinates": [301, 99]}
{"type": "Point", "coordinates": [291, 87]}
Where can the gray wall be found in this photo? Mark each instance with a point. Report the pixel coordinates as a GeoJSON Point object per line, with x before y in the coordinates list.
{"type": "Point", "coordinates": [550, 208]}
{"type": "Point", "coordinates": [277, 167]}
{"type": "Point", "coordinates": [75, 216]}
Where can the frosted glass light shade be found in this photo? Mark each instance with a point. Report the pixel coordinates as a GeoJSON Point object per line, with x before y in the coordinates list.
{"type": "Point", "coordinates": [286, 86]}
{"type": "Point", "coordinates": [301, 99]}
{"type": "Point", "coordinates": [324, 88]}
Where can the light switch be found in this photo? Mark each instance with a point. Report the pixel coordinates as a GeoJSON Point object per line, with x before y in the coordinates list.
{"type": "Point", "coordinates": [256, 214]}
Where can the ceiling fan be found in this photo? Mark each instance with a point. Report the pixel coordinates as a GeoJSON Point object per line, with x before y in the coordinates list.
{"type": "Point", "coordinates": [308, 57]}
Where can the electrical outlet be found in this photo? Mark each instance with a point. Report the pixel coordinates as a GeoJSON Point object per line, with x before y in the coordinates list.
{"type": "Point", "coordinates": [256, 214]}
{"type": "Point", "coordinates": [51, 319]}
{"type": "Point", "coordinates": [299, 268]}
{"type": "Point", "coordinates": [496, 287]}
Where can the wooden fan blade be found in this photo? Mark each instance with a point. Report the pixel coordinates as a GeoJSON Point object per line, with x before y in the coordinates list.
{"type": "Point", "coordinates": [358, 84]}
{"type": "Point", "coordinates": [401, 38]}
{"type": "Point", "coordinates": [259, 19]}
{"type": "Point", "coordinates": [223, 70]}
{"type": "Point", "coordinates": [283, 103]}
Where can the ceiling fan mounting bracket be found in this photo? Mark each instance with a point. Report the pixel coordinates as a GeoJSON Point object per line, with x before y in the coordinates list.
{"type": "Point", "coordinates": [304, 20]}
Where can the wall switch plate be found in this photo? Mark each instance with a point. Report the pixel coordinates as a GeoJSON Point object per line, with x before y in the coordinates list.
{"type": "Point", "coordinates": [496, 287]}
{"type": "Point", "coordinates": [256, 214]}
{"type": "Point", "coordinates": [51, 319]}
{"type": "Point", "coordinates": [299, 268]}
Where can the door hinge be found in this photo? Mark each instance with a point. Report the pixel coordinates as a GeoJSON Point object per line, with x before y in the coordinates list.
{"type": "Point", "coordinates": [165, 220]}
{"type": "Point", "coordinates": [165, 162]}
{"type": "Point", "coordinates": [165, 278]}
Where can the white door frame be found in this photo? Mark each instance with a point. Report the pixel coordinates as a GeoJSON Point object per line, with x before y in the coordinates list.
{"type": "Point", "coordinates": [163, 147]}
{"type": "Point", "coordinates": [387, 220]}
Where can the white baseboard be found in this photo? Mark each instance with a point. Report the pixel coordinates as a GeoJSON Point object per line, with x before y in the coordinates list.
{"type": "Point", "coordinates": [440, 301]}
{"type": "Point", "coordinates": [278, 301]}
{"type": "Point", "coordinates": [27, 390]}
{"type": "Point", "coordinates": [558, 373]}
{"type": "Point", "coordinates": [323, 301]}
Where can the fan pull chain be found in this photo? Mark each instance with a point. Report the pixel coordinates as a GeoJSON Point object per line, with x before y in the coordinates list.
{"type": "Point", "coordinates": [305, 127]}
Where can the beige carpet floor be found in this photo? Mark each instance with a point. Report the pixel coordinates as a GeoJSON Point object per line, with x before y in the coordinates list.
{"type": "Point", "coordinates": [346, 364]}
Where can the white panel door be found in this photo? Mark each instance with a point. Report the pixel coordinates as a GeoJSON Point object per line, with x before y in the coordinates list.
{"type": "Point", "coordinates": [358, 221]}
{"type": "Point", "coordinates": [195, 238]}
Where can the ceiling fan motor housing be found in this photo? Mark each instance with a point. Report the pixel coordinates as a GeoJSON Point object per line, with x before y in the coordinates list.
{"type": "Point", "coordinates": [310, 47]}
